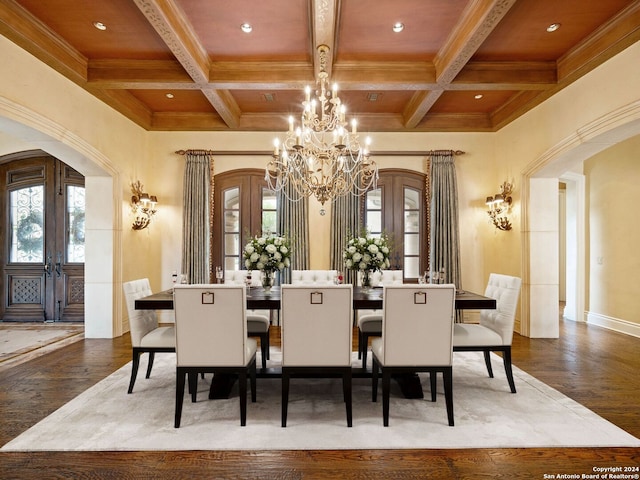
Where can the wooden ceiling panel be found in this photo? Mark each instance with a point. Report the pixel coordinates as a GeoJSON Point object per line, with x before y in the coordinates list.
{"type": "Point", "coordinates": [181, 101]}
{"type": "Point", "coordinates": [522, 34]}
{"type": "Point", "coordinates": [288, 102]}
{"type": "Point", "coordinates": [280, 29]}
{"type": "Point", "coordinates": [366, 31]}
{"type": "Point", "coordinates": [466, 101]}
{"type": "Point", "coordinates": [128, 34]}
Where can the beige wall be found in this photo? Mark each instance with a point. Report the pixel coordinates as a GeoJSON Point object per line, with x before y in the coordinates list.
{"type": "Point", "coordinates": [613, 198]}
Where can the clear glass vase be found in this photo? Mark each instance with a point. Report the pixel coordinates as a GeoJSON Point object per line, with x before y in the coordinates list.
{"type": "Point", "coordinates": [268, 278]}
{"type": "Point", "coordinates": [366, 280]}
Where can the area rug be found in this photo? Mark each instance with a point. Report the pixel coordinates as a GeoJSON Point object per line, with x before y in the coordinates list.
{"type": "Point", "coordinates": [487, 415]}
{"type": "Point", "coordinates": [22, 342]}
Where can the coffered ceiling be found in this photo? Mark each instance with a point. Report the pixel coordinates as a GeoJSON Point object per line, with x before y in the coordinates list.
{"type": "Point", "coordinates": [458, 65]}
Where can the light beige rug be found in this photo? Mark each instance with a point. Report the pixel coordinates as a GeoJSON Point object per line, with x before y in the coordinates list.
{"type": "Point", "coordinates": [487, 415]}
{"type": "Point", "coordinates": [22, 342]}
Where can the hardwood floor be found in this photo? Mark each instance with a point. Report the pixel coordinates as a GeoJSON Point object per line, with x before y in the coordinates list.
{"type": "Point", "coordinates": [594, 366]}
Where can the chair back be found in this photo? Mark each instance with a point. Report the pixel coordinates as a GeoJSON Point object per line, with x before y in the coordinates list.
{"type": "Point", "coordinates": [236, 277]}
{"type": "Point", "coordinates": [211, 329]}
{"type": "Point", "coordinates": [313, 277]}
{"type": "Point", "coordinates": [141, 322]}
{"type": "Point", "coordinates": [506, 290]}
{"type": "Point", "coordinates": [384, 277]}
{"type": "Point", "coordinates": [316, 325]}
{"type": "Point", "coordinates": [417, 325]}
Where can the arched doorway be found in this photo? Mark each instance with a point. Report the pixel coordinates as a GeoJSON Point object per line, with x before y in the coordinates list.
{"type": "Point", "coordinates": [103, 255]}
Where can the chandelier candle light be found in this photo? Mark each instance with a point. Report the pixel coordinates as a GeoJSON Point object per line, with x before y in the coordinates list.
{"type": "Point", "coordinates": [321, 156]}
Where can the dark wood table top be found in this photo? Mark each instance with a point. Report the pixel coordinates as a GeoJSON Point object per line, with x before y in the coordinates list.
{"type": "Point", "coordinates": [258, 299]}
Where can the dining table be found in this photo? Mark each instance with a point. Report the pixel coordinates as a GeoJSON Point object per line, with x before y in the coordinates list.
{"type": "Point", "coordinates": [363, 299]}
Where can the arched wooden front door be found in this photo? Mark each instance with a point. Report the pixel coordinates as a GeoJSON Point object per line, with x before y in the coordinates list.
{"type": "Point", "coordinates": [43, 211]}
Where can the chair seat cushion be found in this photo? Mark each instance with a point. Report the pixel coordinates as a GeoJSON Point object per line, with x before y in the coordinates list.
{"type": "Point", "coordinates": [250, 347]}
{"type": "Point", "coordinates": [257, 323]}
{"type": "Point", "coordinates": [160, 337]}
{"type": "Point", "coordinates": [371, 323]}
{"type": "Point", "coordinates": [377, 347]}
{"type": "Point", "coordinates": [474, 335]}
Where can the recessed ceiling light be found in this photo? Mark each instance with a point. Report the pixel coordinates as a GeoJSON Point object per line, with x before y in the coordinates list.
{"type": "Point", "coordinates": [553, 27]}
{"type": "Point", "coordinates": [169, 95]}
{"type": "Point", "coordinates": [398, 27]}
{"type": "Point", "coordinates": [246, 27]}
{"type": "Point", "coordinates": [100, 25]}
{"type": "Point", "coordinates": [478, 96]}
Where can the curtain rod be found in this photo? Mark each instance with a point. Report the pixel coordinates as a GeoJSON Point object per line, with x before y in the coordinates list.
{"type": "Point", "coordinates": [268, 152]}
{"type": "Point", "coordinates": [195, 152]}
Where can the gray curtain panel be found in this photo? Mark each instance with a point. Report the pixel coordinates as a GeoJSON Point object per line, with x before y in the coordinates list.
{"type": "Point", "coordinates": [345, 223]}
{"type": "Point", "coordinates": [195, 228]}
{"type": "Point", "coordinates": [445, 246]}
{"type": "Point", "coordinates": [293, 221]}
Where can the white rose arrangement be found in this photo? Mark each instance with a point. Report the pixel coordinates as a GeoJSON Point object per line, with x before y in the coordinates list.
{"type": "Point", "coordinates": [367, 253]}
{"type": "Point", "coordinates": [267, 254]}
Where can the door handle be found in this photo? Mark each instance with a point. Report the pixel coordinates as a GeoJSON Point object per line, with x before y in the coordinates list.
{"type": "Point", "coordinates": [47, 265]}
{"type": "Point", "coordinates": [58, 265]}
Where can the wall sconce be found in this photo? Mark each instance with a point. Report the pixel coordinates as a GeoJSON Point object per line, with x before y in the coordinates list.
{"type": "Point", "coordinates": [500, 206]}
{"type": "Point", "coordinates": [143, 206]}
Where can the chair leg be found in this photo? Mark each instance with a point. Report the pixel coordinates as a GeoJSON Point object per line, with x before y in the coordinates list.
{"type": "Point", "coordinates": [242, 386]}
{"type": "Point", "coordinates": [386, 390]}
{"type": "Point", "coordinates": [264, 349]}
{"type": "Point", "coordinates": [346, 392]}
{"type": "Point", "coordinates": [506, 358]}
{"type": "Point", "coordinates": [365, 349]}
{"type": "Point", "coordinates": [374, 380]}
{"type": "Point", "coordinates": [252, 379]}
{"type": "Point", "coordinates": [134, 369]}
{"type": "Point", "coordinates": [448, 392]}
{"type": "Point", "coordinates": [285, 397]}
{"type": "Point", "coordinates": [179, 396]}
{"type": "Point", "coordinates": [487, 361]}
{"type": "Point", "coordinates": [359, 344]}
{"type": "Point", "coordinates": [193, 386]}
{"type": "Point", "coordinates": [433, 377]}
{"type": "Point", "coordinates": [267, 342]}
{"type": "Point", "coordinates": [152, 356]}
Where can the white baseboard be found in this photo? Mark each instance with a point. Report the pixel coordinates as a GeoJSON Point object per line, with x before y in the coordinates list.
{"type": "Point", "coordinates": [622, 326]}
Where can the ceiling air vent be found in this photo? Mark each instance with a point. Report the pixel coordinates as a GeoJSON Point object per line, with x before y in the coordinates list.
{"type": "Point", "coordinates": [373, 96]}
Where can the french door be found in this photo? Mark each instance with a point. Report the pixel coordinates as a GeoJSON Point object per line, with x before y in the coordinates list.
{"type": "Point", "coordinates": [244, 207]}
{"type": "Point", "coordinates": [398, 209]}
{"type": "Point", "coordinates": [43, 212]}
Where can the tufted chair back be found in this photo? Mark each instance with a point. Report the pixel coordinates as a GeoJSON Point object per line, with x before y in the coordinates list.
{"type": "Point", "coordinates": [141, 322]}
{"type": "Point", "coordinates": [236, 277]}
{"type": "Point", "coordinates": [381, 278]}
{"type": "Point", "coordinates": [313, 277]}
{"type": "Point", "coordinates": [506, 290]}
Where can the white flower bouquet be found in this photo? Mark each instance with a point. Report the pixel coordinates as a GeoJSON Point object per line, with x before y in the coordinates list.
{"type": "Point", "coordinates": [267, 254]}
{"type": "Point", "coordinates": [367, 253]}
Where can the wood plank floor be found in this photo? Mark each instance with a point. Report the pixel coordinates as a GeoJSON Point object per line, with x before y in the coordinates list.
{"type": "Point", "coordinates": [594, 366]}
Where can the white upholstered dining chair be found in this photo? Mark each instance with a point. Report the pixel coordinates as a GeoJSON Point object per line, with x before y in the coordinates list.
{"type": "Point", "coordinates": [369, 322]}
{"type": "Point", "coordinates": [317, 336]}
{"type": "Point", "coordinates": [313, 277]}
{"type": "Point", "coordinates": [417, 336]}
{"type": "Point", "coordinates": [211, 337]}
{"type": "Point", "coordinates": [258, 321]}
{"type": "Point", "coordinates": [494, 333]}
{"type": "Point", "coordinates": [146, 334]}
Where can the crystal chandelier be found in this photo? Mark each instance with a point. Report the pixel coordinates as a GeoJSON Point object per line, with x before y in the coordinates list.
{"type": "Point", "coordinates": [321, 156]}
